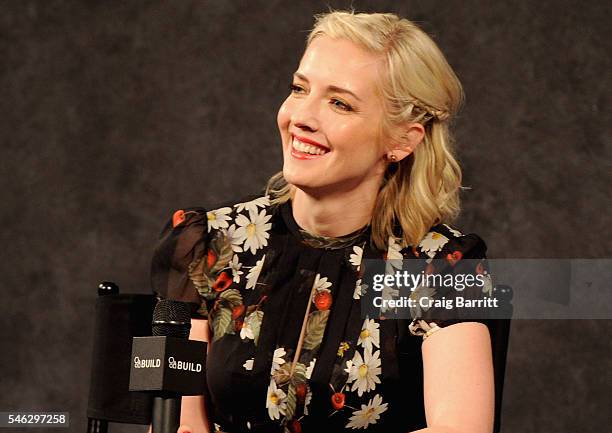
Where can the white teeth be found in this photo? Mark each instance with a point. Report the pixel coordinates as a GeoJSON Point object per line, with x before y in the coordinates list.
{"type": "Point", "coordinates": [307, 148]}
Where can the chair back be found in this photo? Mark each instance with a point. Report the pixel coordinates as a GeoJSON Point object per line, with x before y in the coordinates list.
{"type": "Point", "coordinates": [118, 318]}
{"type": "Point", "coordinates": [500, 335]}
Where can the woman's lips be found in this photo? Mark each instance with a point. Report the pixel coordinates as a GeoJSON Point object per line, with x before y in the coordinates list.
{"type": "Point", "coordinates": [306, 149]}
{"type": "Point", "coordinates": [301, 155]}
{"type": "Point", "coordinates": [309, 141]}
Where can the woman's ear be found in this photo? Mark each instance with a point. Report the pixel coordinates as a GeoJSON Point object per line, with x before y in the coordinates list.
{"type": "Point", "coordinates": [411, 136]}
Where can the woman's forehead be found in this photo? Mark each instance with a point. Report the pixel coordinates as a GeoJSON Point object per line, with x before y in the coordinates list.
{"type": "Point", "coordinates": [342, 63]}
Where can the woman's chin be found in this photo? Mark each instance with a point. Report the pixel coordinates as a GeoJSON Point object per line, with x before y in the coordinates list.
{"type": "Point", "coordinates": [309, 181]}
{"type": "Point", "coordinates": [295, 176]}
{"type": "Point", "coordinates": [296, 182]}
{"type": "Point", "coordinates": [300, 182]}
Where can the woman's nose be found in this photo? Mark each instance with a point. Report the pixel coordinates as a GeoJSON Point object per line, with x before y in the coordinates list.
{"type": "Point", "coordinates": [305, 114]}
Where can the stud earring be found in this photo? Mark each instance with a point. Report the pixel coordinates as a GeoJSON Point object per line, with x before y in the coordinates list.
{"type": "Point", "coordinates": [392, 157]}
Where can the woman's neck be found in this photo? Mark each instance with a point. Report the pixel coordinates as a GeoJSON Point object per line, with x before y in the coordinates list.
{"type": "Point", "coordinates": [333, 215]}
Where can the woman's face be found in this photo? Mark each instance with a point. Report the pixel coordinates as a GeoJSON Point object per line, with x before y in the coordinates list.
{"type": "Point", "coordinates": [329, 122]}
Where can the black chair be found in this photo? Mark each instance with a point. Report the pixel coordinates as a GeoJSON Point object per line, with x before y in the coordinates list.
{"type": "Point", "coordinates": [499, 328]}
{"type": "Point", "coordinates": [119, 318]}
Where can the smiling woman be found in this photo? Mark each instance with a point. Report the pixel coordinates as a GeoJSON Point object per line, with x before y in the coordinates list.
{"type": "Point", "coordinates": [276, 279]}
{"type": "Point", "coordinates": [378, 87]}
{"type": "Point", "coordinates": [334, 107]}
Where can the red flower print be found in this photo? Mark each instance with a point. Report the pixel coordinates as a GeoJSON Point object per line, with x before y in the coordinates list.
{"type": "Point", "coordinates": [337, 400]}
{"type": "Point", "coordinates": [178, 217]}
{"type": "Point", "coordinates": [300, 392]}
{"type": "Point", "coordinates": [323, 300]}
{"type": "Point", "coordinates": [480, 268]}
{"type": "Point", "coordinates": [211, 259]}
{"type": "Point", "coordinates": [222, 283]}
{"type": "Point", "coordinates": [454, 257]}
{"type": "Point", "coordinates": [237, 311]}
{"type": "Point", "coordinates": [294, 426]}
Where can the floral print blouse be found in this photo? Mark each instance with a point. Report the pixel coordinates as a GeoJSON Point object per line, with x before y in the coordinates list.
{"type": "Point", "coordinates": [290, 350]}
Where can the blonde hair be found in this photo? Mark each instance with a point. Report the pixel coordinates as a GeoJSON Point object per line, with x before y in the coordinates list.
{"type": "Point", "coordinates": [417, 85]}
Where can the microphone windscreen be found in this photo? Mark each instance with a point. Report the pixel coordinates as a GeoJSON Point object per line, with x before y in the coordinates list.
{"type": "Point", "coordinates": [171, 319]}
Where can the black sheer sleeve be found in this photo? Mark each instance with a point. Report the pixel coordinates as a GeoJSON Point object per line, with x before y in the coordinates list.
{"type": "Point", "coordinates": [181, 247]}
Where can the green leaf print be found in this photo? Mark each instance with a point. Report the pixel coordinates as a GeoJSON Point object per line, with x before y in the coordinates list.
{"type": "Point", "coordinates": [299, 374]}
{"type": "Point", "coordinates": [232, 296]}
{"type": "Point", "coordinates": [222, 319]}
{"type": "Point", "coordinates": [291, 401]}
{"type": "Point", "coordinates": [315, 329]}
{"type": "Point", "coordinates": [222, 246]}
{"type": "Point", "coordinates": [204, 278]}
{"type": "Point", "coordinates": [202, 282]}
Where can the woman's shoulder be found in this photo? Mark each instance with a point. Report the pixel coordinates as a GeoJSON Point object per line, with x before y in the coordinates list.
{"type": "Point", "coordinates": [444, 238]}
{"type": "Point", "coordinates": [218, 215]}
{"type": "Point", "coordinates": [250, 206]}
{"type": "Point", "coordinates": [449, 251]}
{"type": "Point", "coordinates": [197, 243]}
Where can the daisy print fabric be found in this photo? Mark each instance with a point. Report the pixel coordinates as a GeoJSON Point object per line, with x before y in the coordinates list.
{"type": "Point", "coordinates": [289, 348]}
{"type": "Point", "coordinates": [449, 247]}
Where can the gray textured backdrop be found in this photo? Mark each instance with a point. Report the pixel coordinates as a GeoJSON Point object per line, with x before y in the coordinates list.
{"type": "Point", "coordinates": [113, 114]}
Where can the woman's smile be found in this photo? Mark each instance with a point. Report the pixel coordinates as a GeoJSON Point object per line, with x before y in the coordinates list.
{"type": "Point", "coordinates": [304, 148]}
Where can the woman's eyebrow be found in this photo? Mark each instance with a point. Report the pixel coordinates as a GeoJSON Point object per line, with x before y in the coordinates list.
{"type": "Point", "coordinates": [329, 88]}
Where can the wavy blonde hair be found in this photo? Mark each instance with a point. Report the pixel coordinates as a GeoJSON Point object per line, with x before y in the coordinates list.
{"type": "Point", "coordinates": [417, 85]}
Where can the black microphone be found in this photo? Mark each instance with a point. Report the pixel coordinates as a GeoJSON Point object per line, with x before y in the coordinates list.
{"type": "Point", "coordinates": [170, 319]}
{"type": "Point", "coordinates": [168, 364]}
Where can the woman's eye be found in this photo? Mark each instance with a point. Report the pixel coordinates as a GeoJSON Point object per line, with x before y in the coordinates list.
{"type": "Point", "coordinates": [293, 88]}
{"type": "Point", "coordinates": [341, 105]}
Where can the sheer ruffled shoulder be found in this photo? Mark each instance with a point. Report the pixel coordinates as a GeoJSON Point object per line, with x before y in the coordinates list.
{"type": "Point", "coordinates": [455, 255]}
{"type": "Point", "coordinates": [182, 245]}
